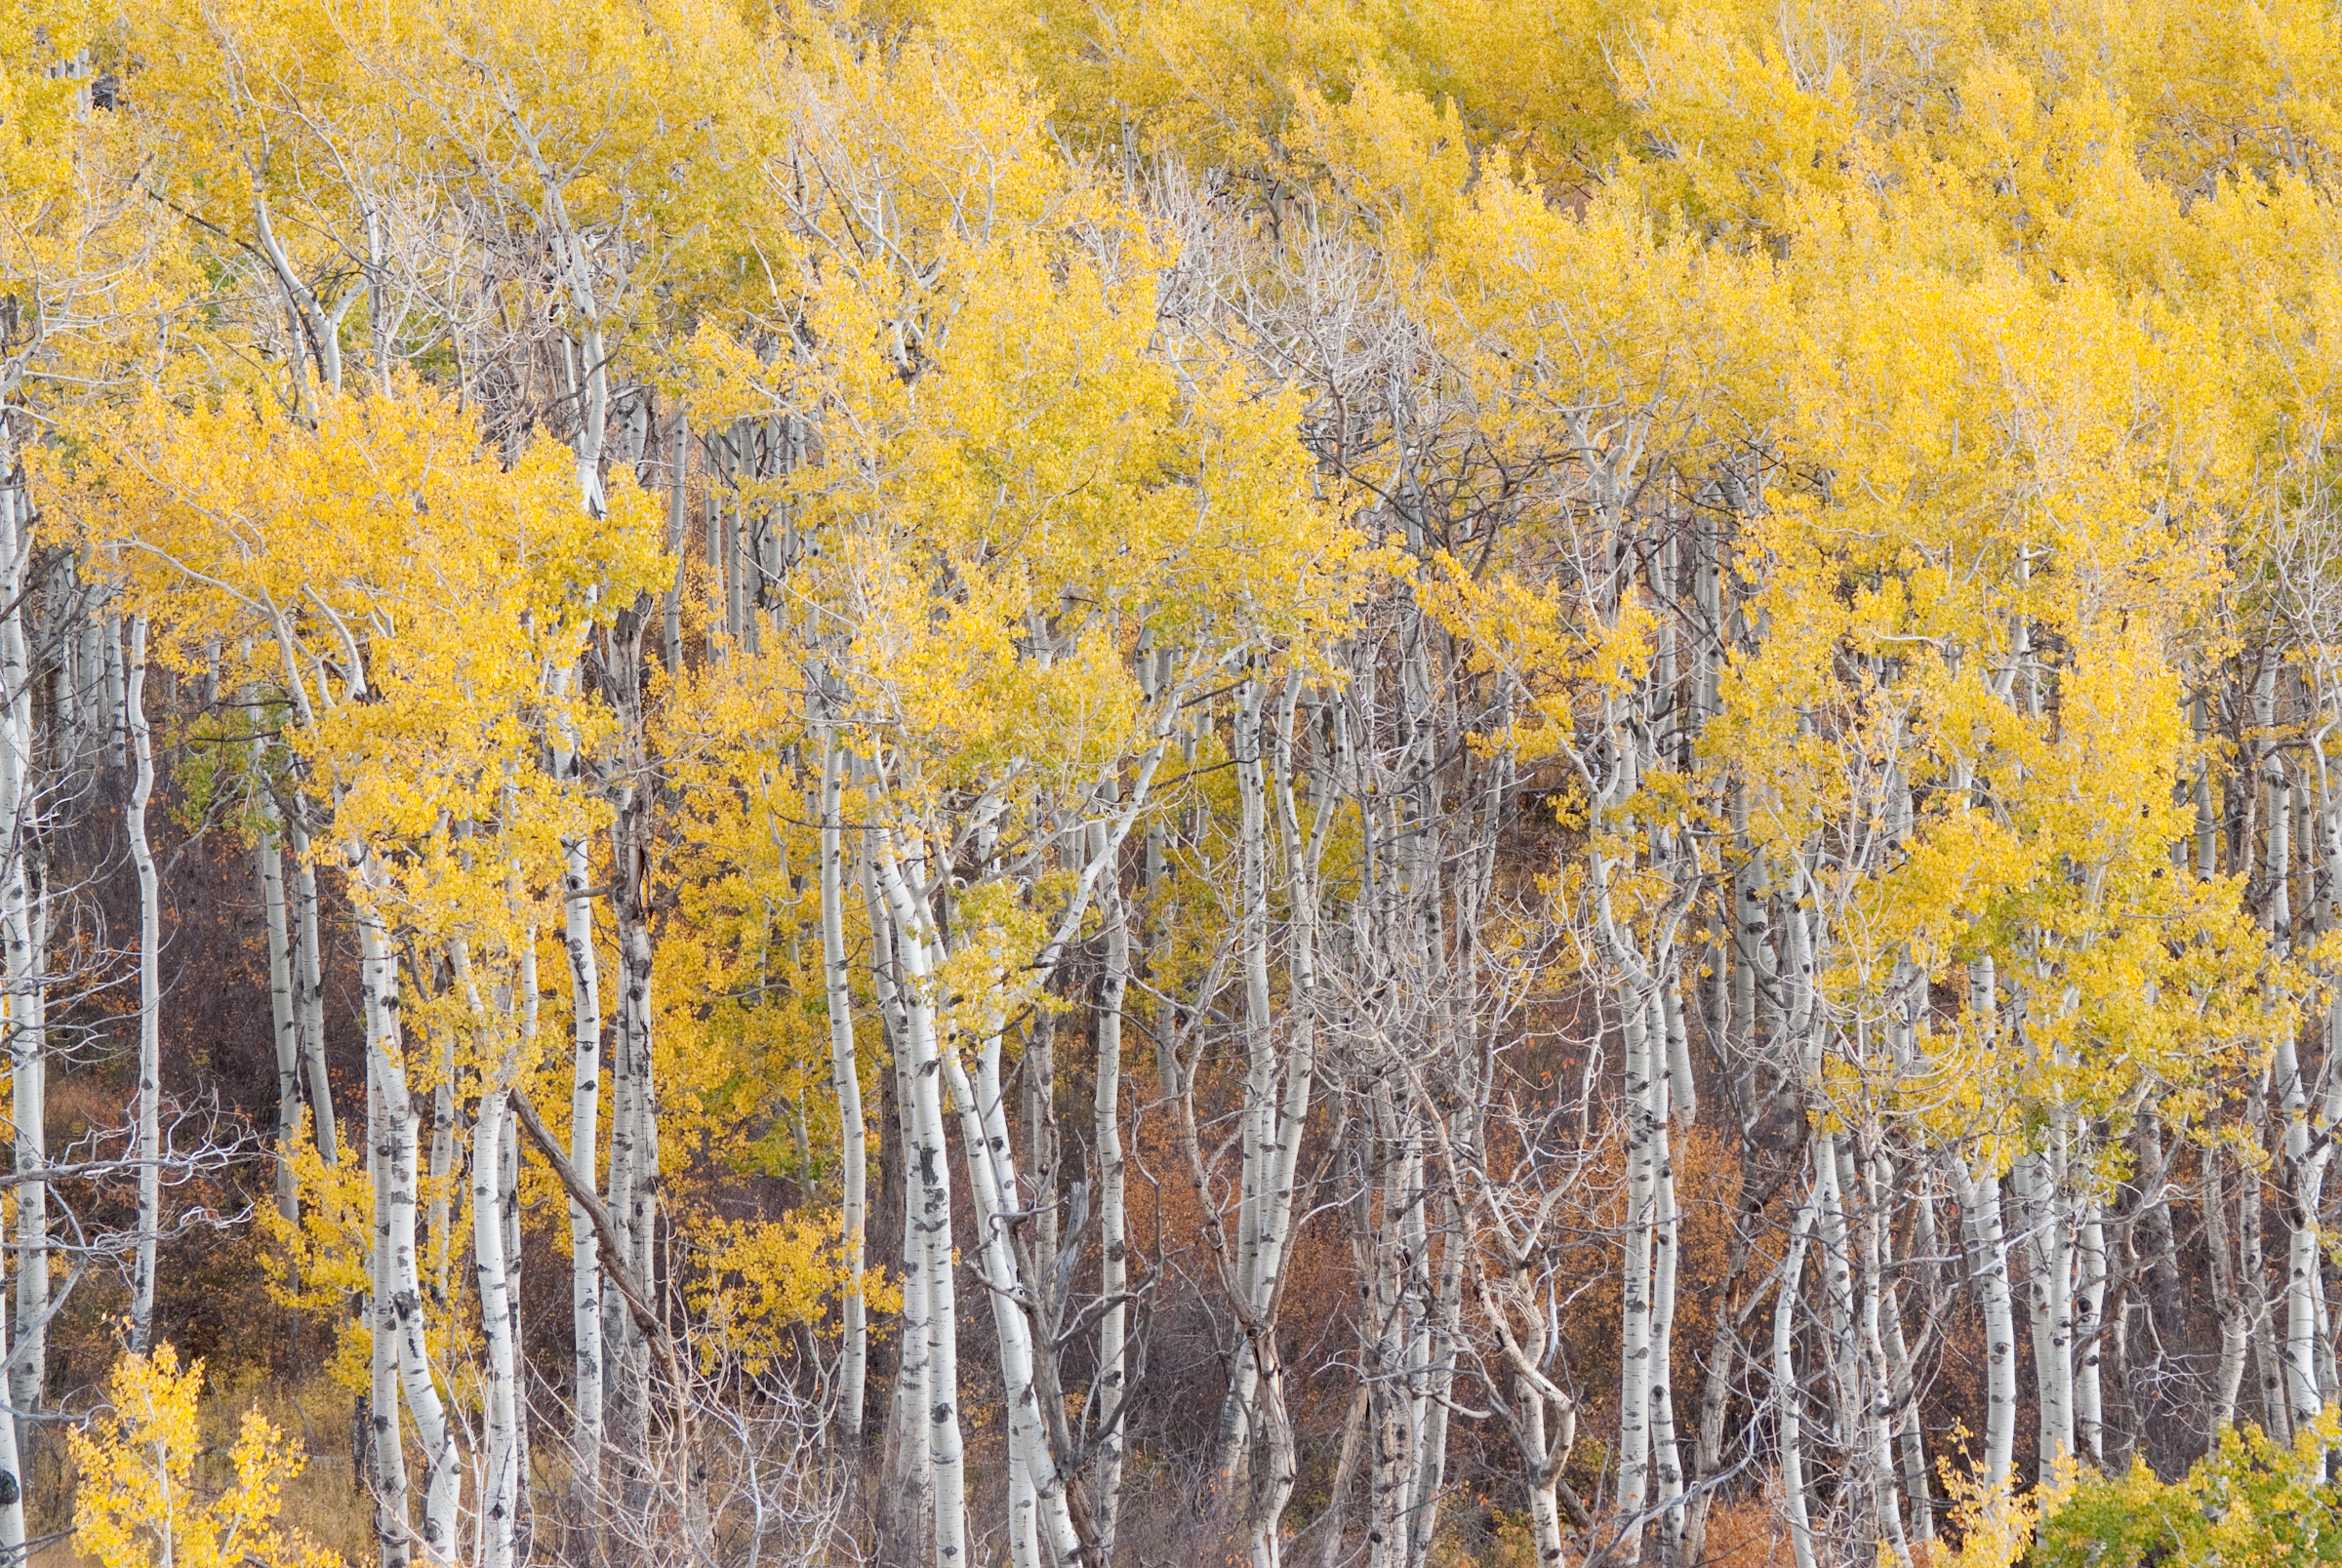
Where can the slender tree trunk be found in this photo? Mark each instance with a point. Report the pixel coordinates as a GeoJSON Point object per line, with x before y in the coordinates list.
{"type": "Point", "coordinates": [385, 1438]}
{"type": "Point", "coordinates": [1988, 1271]}
{"type": "Point", "coordinates": [13, 1480]}
{"type": "Point", "coordinates": [443, 1165]}
{"type": "Point", "coordinates": [584, 1137]}
{"type": "Point", "coordinates": [2227, 1300]}
{"type": "Point", "coordinates": [633, 1154]}
{"type": "Point", "coordinates": [1037, 1490]}
{"type": "Point", "coordinates": [284, 1026]}
{"type": "Point", "coordinates": [1114, 1266]}
{"type": "Point", "coordinates": [845, 1076]}
{"type": "Point", "coordinates": [2048, 1291]}
{"type": "Point", "coordinates": [309, 993]}
{"type": "Point", "coordinates": [117, 698]}
{"type": "Point", "coordinates": [2252, 1279]}
{"type": "Point", "coordinates": [931, 1221]}
{"type": "Point", "coordinates": [905, 1529]}
{"type": "Point", "coordinates": [398, 1155]}
{"type": "Point", "coordinates": [29, 1064]}
{"type": "Point", "coordinates": [670, 639]}
{"type": "Point", "coordinates": [2089, 1304]}
{"type": "Point", "coordinates": [500, 1475]}
{"type": "Point", "coordinates": [1788, 1396]}
{"type": "Point", "coordinates": [151, 1001]}
{"type": "Point", "coordinates": [1255, 1151]}
{"type": "Point", "coordinates": [1636, 1371]}
{"type": "Point", "coordinates": [27, 1048]}
{"type": "Point", "coordinates": [2303, 1287]}
{"type": "Point", "coordinates": [1666, 1463]}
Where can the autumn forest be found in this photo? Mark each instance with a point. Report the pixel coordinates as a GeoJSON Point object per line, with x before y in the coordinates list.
{"type": "Point", "coordinates": [1364, 783]}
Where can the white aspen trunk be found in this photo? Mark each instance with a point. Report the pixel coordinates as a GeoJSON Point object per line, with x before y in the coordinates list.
{"type": "Point", "coordinates": [1979, 1198]}
{"type": "Point", "coordinates": [1389, 1487]}
{"type": "Point", "coordinates": [635, 955]}
{"type": "Point", "coordinates": [1752, 958]}
{"type": "Point", "coordinates": [443, 1164]}
{"type": "Point", "coordinates": [1903, 1379]}
{"type": "Point", "coordinates": [151, 999]}
{"type": "Point", "coordinates": [12, 1467]}
{"type": "Point", "coordinates": [845, 1075]}
{"type": "Point", "coordinates": [2234, 1328]}
{"type": "Point", "coordinates": [1789, 1397]}
{"type": "Point", "coordinates": [2089, 1299]}
{"type": "Point", "coordinates": [1278, 1169]}
{"type": "Point", "coordinates": [719, 468]}
{"type": "Point", "coordinates": [1830, 1235]}
{"type": "Point", "coordinates": [929, 1159]}
{"type": "Point", "coordinates": [584, 1137]}
{"type": "Point", "coordinates": [671, 641]}
{"type": "Point", "coordinates": [1436, 1362]}
{"type": "Point", "coordinates": [270, 857]}
{"type": "Point", "coordinates": [635, 1196]}
{"type": "Point", "coordinates": [385, 1437]}
{"type": "Point", "coordinates": [2306, 1328]}
{"type": "Point", "coordinates": [309, 993]}
{"type": "Point", "coordinates": [507, 1208]}
{"type": "Point", "coordinates": [1023, 1526]}
{"type": "Point", "coordinates": [2048, 1293]}
{"type": "Point", "coordinates": [1412, 1244]}
{"type": "Point", "coordinates": [1879, 1410]}
{"type": "Point", "coordinates": [21, 952]}
{"type": "Point", "coordinates": [28, 1056]}
{"type": "Point", "coordinates": [905, 1488]}
{"type": "Point", "coordinates": [2276, 1415]}
{"type": "Point", "coordinates": [1114, 1265]}
{"type": "Point", "coordinates": [399, 1156]}
{"type": "Point", "coordinates": [1641, 1222]}
{"type": "Point", "coordinates": [1255, 1151]}
{"type": "Point", "coordinates": [1666, 1463]}
{"type": "Point", "coordinates": [623, 1415]}
{"type": "Point", "coordinates": [509, 1185]}
{"type": "Point", "coordinates": [1038, 1509]}
{"type": "Point", "coordinates": [1544, 1506]}
{"type": "Point", "coordinates": [116, 697]}
{"type": "Point", "coordinates": [500, 1477]}
{"type": "Point", "coordinates": [2208, 824]}
{"type": "Point", "coordinates": [2302, 1284]}
{"type": "Point", "coordinates": [2280, 860]}
{"type": "Point", "coordinates": [2052, 1370]}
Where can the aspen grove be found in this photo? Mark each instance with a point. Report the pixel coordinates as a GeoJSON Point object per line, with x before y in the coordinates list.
{"type": "Point", "coordinates": [1366, 783]}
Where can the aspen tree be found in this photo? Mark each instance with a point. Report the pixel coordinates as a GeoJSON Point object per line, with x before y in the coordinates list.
{"type": "Point", "coordinates": [150, 998]}
{"type": "Point", "coordinates": [846, 1079]}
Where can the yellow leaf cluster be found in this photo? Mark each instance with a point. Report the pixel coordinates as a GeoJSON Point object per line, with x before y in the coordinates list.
{"type": "Point", "coordinates": [139, 1504]}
